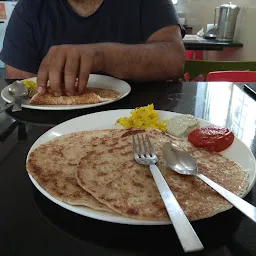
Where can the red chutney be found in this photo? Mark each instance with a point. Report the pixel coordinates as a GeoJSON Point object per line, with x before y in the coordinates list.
{"type": "Point", "coordinates": [212, 138]}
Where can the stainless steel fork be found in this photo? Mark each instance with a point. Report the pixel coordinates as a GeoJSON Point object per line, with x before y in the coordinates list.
{"type": "Point", "coordinates": [144, 154]}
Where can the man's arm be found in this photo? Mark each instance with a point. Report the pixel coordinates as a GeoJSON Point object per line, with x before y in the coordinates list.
{"type": "Point", "coordinates": [161, 57]}
{"type": "Point", "coordinates": [14, 73]}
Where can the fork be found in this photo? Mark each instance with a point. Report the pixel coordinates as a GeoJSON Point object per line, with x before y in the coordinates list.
{"type": "Point", "coordinates": [144, 154]}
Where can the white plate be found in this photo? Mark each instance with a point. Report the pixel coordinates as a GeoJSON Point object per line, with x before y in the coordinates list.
{"type": "Point", "coordinates": [99, 81]}
{"type": "Point", "coordinates": [106, 120]}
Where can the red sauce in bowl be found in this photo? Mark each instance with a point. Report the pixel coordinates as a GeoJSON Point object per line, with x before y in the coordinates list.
{"type": "Point", "coordinates": [212, 138]}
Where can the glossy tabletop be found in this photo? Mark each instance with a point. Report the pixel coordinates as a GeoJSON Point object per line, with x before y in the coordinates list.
{"type": "Point", "coordinates": [30, 224]}
{"type": "Point", "coordinates": [193, 42]}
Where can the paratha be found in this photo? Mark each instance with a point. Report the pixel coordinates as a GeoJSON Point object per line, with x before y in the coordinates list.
{"type": "Point", "coordinates": [90, 96]}
{"type": "Point", "coordinates": [110, 174]}
{"type": "Point", "coordinates": [53, 166]}
{"type": "Point", "coordinates": [103, 93]}
{"type": "Point", "coordinates": [96, 169]}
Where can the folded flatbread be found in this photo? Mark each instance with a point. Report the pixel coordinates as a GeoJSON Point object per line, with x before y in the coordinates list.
{"type": "Point", "coordinates": [53, 166]}
{"type": "Point", "coordinates": [90, 96]}
{"type": "Point", "coordinates": [111, 175]}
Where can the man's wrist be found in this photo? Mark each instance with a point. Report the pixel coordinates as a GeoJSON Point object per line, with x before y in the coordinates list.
{"type": "Point", "coordinates": [98, 57]}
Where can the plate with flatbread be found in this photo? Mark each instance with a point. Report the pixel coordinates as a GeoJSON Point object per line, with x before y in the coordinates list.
{"type": "Point", "coordinates": [86, 165]}
{"type": "Point", "coordinates": [100, 90]}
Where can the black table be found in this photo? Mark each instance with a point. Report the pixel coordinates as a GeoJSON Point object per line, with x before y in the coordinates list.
{"type": "Point", "coordinates": [30, 224]}
{"type": "Point", "coordinates": [209, 44]}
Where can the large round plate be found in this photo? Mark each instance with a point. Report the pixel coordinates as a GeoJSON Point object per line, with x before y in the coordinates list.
{"type": "Point", "coordinates": [99, 81]}
{"type": "Point", "coordinates": [238, 152]}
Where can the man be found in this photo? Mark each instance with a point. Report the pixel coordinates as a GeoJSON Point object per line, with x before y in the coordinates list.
{"type": "Point", "coordinates": [61, 40]}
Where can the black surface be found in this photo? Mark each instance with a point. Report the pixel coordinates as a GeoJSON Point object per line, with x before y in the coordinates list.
{"type": "Point", "coordinates": [30, 224]}
{"type": "Point", "coordinates": [251, 88]}
{"type": "Point", "coordinates": [210, 45]}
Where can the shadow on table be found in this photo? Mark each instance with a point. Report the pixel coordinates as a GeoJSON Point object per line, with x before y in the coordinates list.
{"type": "Point", "coordinates": [149, 240]}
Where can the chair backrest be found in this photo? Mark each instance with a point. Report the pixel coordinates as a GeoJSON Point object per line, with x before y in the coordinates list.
{"type": "Point", "coordinates": [194, 55]}
{"type": "Point", "coordinates": [189, 55]}
{"type": "Point", "coordinates": [231, 76]}
{"type": "Point", "coordinates": [196, 68]}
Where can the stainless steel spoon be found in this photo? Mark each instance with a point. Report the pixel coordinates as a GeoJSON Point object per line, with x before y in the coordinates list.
{"type": "Point", "coordinates": [182, 162]}
{"type": "Point", "coordinates": [17, 90]}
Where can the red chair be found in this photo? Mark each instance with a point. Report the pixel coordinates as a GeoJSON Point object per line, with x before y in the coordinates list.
{"type": "Point", "coordinates": [194, 55]}
{"type": "Point", "coordinates": [189, 55]}
{"type": "Point", "coordinates": [231, 76]}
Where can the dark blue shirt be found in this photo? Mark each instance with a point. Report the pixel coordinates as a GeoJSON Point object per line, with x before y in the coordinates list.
{"type": "Point", "coordinates": [36, 25]}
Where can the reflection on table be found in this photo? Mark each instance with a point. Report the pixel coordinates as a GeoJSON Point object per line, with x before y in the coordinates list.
{"type": "Point", "coordinates": [230, 107]}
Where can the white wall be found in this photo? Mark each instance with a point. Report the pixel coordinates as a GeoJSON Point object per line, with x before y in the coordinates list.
{"type": "Point", "coordinates": [200, 12]}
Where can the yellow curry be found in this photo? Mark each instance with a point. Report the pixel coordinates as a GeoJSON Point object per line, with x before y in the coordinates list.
{"type": "Point", "coordinates": [142, 118]}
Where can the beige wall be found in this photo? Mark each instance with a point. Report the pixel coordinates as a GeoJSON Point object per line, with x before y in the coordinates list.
{"type": "Point", "coordinates": [200, 12]}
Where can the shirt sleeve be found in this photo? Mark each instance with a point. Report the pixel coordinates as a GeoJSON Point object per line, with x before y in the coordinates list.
{"type": "Point", "coordinates": [157, 14]}
{"type": "Point", "coordinates": [19, 47]}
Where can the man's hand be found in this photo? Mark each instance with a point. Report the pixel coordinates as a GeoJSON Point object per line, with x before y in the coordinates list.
{"type": "Point", "coordinates": [63, 65]}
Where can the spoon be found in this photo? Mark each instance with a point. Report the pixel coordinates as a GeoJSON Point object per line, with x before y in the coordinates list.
{"type": "Point", "coordinates": [17, 90]}
{"type": "Point", "coordinates": [183, 163]}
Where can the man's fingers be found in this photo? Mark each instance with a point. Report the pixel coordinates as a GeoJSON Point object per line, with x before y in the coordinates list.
{"type": "Point", "coordinates": [43, 73]}
{"type": "Point", "coordinates": [56, 73]}
{"type": "Point", "coordinates": [71, 71]}
{"type": "Point", "coordinates": [84, 73]}
{"type": "Point", "coordinates": [42, 78]}
{"type": "Point", "coordinates": [64, 64]}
